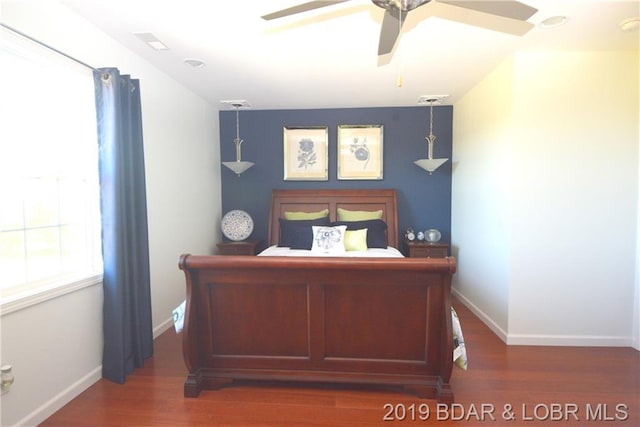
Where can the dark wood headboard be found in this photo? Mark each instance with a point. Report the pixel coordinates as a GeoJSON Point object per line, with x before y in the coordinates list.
{"type": "Point", "coordinates": [317, 200]}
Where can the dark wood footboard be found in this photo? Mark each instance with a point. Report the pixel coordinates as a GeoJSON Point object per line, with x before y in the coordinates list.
{"type": "Point", "coordinates": [359, 320]}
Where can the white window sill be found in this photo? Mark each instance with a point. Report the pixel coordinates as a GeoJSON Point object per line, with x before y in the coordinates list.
{"type": "Point", "coordinates": [28, 298]}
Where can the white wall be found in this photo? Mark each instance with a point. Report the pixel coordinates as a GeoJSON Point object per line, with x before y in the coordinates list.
{"type": "Point", "coordinates": [572, 196]}
{"type": "Point", "coordinates": [479, 205]}
{"type": "Point", "coordinates": [636, 299]}
{"type": "Point", "coordinates": [56, 347]}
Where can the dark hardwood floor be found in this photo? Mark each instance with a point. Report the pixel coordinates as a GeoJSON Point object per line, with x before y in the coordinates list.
{"type": "Point", "coordinates": [504, 385]}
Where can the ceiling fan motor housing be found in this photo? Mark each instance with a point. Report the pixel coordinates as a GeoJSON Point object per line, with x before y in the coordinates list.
{"type": "Point", "coordinates": [403, 5]}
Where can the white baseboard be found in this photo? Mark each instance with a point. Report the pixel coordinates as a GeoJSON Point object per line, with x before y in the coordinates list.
{"type": "Point", "coordinates": [542, 340]}
{"type": "Point", "coordinates": [162, 327]}
{"type": "Point", "coordinates": [569, 340]}
{"type": "Point", "coordinates": [501, 333]}
{"type": "Point", "coordinates": [61, 399]}
{"type": "Point", "coordinates": [67, 395]}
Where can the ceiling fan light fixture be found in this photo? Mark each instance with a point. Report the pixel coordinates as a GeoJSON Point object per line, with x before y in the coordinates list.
{"type": "Point", "coordinates": [403, 5]}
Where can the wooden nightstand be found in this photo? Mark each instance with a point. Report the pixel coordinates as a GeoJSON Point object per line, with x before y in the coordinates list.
{"type": "Point", "coordinates": [246, 247]}
{"type": "Point", "coordinates": [419, 249]}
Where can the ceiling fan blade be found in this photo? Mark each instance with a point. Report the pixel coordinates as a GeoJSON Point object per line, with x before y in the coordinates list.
{"type": "Point", "coordinates": [508, 9]}
{"type": "Point", "coordinates": [446, 10]}
{"type": "Point", "coordinates": [304, 7]}
{"type": "Point", "coordinates": [390, 30]}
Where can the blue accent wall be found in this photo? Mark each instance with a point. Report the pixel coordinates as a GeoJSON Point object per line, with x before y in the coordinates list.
{"type": "Point", "coordinates": [424, 201]}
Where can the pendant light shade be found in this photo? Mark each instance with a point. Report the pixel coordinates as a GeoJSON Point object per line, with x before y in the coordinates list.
{"type": "Point", "coordinates": [430, 165]}
{"type": "Point", "coordinates": [239, 166]}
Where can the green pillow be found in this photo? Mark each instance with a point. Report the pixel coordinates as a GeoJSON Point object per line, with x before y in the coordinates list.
{"type": "Point", "coordinates": [306, 215]}
{"type": "Point", "coordinates": [345, 215]}
{"type": "Point", "coordinates": [355, 240]}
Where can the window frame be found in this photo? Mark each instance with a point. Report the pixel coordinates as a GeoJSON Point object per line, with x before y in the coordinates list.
{"type": "Point", "coordinates": [39, 294]}
{"type": "Point", "coordinates": [32, 292]}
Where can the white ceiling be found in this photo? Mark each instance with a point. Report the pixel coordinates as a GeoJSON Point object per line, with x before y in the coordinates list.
{"type": "Point", "coordinates": [328, 57]}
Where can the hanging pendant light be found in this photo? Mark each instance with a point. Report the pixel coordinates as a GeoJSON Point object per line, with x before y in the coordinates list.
{"type": "Point", "coordinates": [239, 165]}
{"type": "Point", "coordinates": [430, 164]}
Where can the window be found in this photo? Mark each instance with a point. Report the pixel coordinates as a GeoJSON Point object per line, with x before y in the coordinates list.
{"type": "Point", "coordinates": [49, 192]}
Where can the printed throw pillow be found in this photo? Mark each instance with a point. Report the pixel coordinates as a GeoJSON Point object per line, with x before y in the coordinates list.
{"type": "Point", "coordinates": [328, 240]}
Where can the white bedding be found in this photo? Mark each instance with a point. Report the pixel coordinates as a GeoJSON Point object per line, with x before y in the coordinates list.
{"type": "Point", "coordinates": [390, 252]}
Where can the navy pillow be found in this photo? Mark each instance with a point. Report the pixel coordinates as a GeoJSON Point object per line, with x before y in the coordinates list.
{"type": "Point", "coordinates": [298, 234]}
{"type": "Point", "coordinates": [376, 231]}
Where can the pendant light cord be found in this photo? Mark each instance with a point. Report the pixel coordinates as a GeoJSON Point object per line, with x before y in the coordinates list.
{"type": "Point", "coordinates": [431, 117]}
{"type": "Point", "coordinates": [237, 123]}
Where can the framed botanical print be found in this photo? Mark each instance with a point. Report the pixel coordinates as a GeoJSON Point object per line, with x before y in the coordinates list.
{"type": "Point", "coordinates": [306, 153]}
{"type": "Point", "coordinates": [360, 151]}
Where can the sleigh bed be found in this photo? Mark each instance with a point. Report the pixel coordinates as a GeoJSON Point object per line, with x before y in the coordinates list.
{"type": "Point", "coordinates": [332, 319]}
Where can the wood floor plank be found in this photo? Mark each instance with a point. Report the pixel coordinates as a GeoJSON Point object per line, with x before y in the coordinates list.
{"type": "Point", "coordinates": [542, 386]}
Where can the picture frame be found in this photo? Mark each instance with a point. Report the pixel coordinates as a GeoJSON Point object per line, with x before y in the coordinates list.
{"type": "Point", "coordinates": [306, 153]}
{"type": "Point", "coordinates": [360, 152]}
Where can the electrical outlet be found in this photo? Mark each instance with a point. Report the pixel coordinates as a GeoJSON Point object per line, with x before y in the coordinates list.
{"type": "Point", "coordinates": [6, 378]}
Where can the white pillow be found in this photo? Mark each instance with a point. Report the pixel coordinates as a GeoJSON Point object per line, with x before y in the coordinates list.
{"type": "Point", "coordinates": [328, 240]}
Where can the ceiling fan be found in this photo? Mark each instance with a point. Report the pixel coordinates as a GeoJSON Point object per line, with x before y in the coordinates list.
{"type": "Point", "coordinates": [514, 13]}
